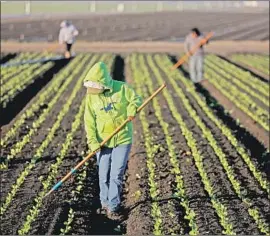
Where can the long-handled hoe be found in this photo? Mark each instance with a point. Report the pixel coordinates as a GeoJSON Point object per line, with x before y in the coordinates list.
{"type": "Point", "coordinates": [187, 55]}
{"type": "Point", "coordinates": [55, 187]}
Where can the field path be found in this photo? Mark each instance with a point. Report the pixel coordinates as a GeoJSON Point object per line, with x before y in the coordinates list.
{"type": "Point", "coordinates": [217, 47]}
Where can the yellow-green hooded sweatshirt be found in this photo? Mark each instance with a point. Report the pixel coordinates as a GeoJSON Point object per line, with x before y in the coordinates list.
{"type": "Point", "coordinates": [106, 111]}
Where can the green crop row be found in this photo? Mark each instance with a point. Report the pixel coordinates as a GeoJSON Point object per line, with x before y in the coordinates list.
{"type": "Point", "coordinates": [74, 198]}
{"type": "Point", "coordinates": [258, 63]}
{"type": "Point", "coordinates": [261, 57]}
{"type": "Point", "coordinates": [7, 71]}
{"type": "Point", "coordinates": [53, 88]}
{"type": "Point", "coordinates": [34, 211]}
{"type": "Point", "coordinates": [264, 60]}
{"type": "Point", "coordinates": [39, 151]}
{"type": "Point", "coordinates": [21, 82]}
{"type": "Point", "coordinates": [244, 76]}
{"type": "Point", "coordinates": [241, 85]}
{"type": "Point", "coordinates": [151, 150]}
{"type": "Point", "coordinates": [17, 148]}
{"type": "Point", "coordinates": [8, 75]}
{"type": "Point", "coordinates": [235, 96]}
{"type": "Point", "coordinates": [221, 210]}
{"type": "Point", "coordinates": [19, 78]}
{"type": "Point", "coordinates": [53, 168]}
{"type": "Point", "coordinates": [260, 177]}
{"type": "Point", "coordinates": [243, 98]}
{"type": "Point", "coordinates": [24, 56]}
{"type": "Point", "coordinates": [242, 194]}
{"type": "Point", "coordinates": [144, 78]}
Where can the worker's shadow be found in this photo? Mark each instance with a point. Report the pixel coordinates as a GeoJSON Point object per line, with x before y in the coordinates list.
{"type": "Point", "coordinates": [185, 72]}
{"type": "Point", "coordinates": [181, 67]}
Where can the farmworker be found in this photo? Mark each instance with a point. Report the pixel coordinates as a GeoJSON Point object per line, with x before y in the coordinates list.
{"type": "Point", "coordinates": [108, 104]}
{"type": "Point", "coordinates": [67, 35]}
{"type": "Point", "coordinates": [196, 60]}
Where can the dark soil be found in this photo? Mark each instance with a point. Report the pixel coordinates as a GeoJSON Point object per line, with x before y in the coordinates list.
{"type": "Point", "coordinates": [136, 208]}
{"type": "Point", "coordinates": [241, 90]}
{"type": "Point", "coordinates": [163, 26]}
{"type": "Point", "coordinates": [236, 208]}
{"type": "Point", "coordinates": [255, 138]}
{"type": "Point", "coordinates": [16, 165]}
{"type": "Point", "coordinates": [245, 68]}
{"type": "Point", "coordinates": [6, 58]}
{"type": "Point", "coordinates": [255, 193]}
{"type": "Point", "coordinates": [264, 77]}
{"type": "Point", "coordinates": [138, 220]}
{"type": "Point", "coordinates": [244, 176]}
{"type": "Point", "coordinates": [32, 186]}
{"type": "Point", "coordinates": [258, 152]}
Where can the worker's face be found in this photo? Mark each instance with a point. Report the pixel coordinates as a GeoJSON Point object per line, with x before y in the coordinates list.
{"type": "Point", "coordinates": [194, 35]}
{"type": "Point", "coordinates": [95, 90]}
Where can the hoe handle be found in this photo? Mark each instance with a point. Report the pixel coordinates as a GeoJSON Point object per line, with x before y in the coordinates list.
{"type": "Point", "coordinates": [186, 56]}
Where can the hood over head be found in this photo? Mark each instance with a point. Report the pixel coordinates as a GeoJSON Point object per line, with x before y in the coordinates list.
{"type": "Point", "coordinates": [99, 73]}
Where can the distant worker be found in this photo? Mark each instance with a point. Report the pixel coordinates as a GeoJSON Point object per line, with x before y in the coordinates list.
{"type": "Point", "coordinates": [196, 59]}
{"type": "Point", "coordinates": [67, 35]}
{"type": "Point", "coordinates": [108, 104]}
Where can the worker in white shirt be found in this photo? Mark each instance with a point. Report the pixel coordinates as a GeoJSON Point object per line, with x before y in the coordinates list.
{"type": "Point", "coordinates": [67, 35]}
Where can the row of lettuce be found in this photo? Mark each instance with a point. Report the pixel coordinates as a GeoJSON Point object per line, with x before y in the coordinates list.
{"type": "Point", "coordinates": [256, 61]}
{"type": "Point", "coordinates": [141, 67]}
{"type": "Point", "coordinates": [70, 78]}
{"type": "Point", "coordinates": [160, 66]}
{"type": "Point", "coordinates": [248, 93]}
{"type": "Point", "coordinates": [15, 79]}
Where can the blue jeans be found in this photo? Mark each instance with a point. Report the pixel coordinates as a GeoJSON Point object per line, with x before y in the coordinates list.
{"type": "Point", "coordinates": [196, 68]}
{"type": "Point", "coordinates": [112, 164]}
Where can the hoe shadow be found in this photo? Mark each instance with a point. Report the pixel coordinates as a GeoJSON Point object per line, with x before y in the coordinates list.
{"type": "Point", "coordinates": [20, 101]}
{"type": "Point", "coordinates": [247, 139]}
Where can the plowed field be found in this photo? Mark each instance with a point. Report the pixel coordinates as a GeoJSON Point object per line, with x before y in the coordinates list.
{"type": "Point", "coordinates": [195, 167]}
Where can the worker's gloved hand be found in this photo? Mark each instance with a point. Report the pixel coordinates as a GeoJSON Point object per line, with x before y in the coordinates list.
{"type": "Point", "coordinates": [130, 118]}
